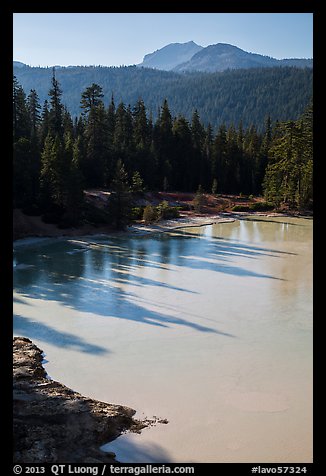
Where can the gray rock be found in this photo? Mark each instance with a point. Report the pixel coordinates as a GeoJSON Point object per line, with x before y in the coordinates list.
{"type": "Point", "coordinates": [54, 424]}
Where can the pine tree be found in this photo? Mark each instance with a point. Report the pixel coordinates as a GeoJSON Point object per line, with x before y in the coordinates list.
{"type": "Point", "coordinates": [219, 158]}
{"type": "Point", "coordinates": [110, 157]}
{"type": "Point", "coordinates": [91, 97]}
{"type": "Point", "coordinates": [288, 178]}
{"type": "Point", "coordinates": [198, 140]}
{"type": "Point", "coordinates": [164, 145]}
{"type": "Point", "coordinates": [184, 170]}
{"type": "Point", "coordinates": [33, 107]}
{"type": "Point", "coordinates": [44, 127]}
{"type": "Point", "coordinates": [94, 167]}
{"type": "Point", "coordinates": [21, 122]}
{"type": "Point", "coordinates": [141, 135]}
{"type": "Point", "coordinates": [74, 197]}
{"type": "Point", "coordinates": [137, 183]}
{"type": "Point", "coordinates": [119, 205]}
{"type": "Point", "coordinates": [24, 152]}
{"type": "Point", "coordinates": [56, 109]}
{"type": "Point", "coordinates": [123, 133]}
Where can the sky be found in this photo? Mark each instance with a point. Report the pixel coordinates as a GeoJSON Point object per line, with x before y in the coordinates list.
{"type": "Point", "coordinates": [114, 39]}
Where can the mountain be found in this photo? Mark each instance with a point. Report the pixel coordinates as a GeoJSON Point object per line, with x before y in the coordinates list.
{"type": "Point", "coordinates": [223, 56]}
{"type": "Point", "coordinates": [230, 96]}
{"type": "Point", "coordinates": [170, 56]}
{"type": "Point", "coordinates": [19, 64]}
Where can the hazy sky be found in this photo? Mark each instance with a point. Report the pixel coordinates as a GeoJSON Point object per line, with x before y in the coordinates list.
{"type": "Point", "coordinates": [48, 39]}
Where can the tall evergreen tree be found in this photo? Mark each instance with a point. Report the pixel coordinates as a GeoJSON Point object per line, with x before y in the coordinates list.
{"type": "Point", "coordinates": [91, 97]}
{"type": "Point", "coordinates": [140, 126]}
{"type": "Point", "coordinates": [219, 158]}
{"type": "Point", "coordinates": [184, 170]}
{"type": "Point", "coordinates": [74, 195]}
{"type": "Point", "coordinates": [21, 123]}
{"type": "Point", "coordinates": [164, 145]}
{"type": "Point", "coordinates": [119, 204]}
{"type": "Point", "coordinates": [96, 134]}
{"type": "Point", "coordinates": [288, 178]}
{"type": "Point", "coordinates": [33, 107]}
{"type": "Point", "coordinates": [198, 140]}
{"type": "Point", "coordinates": [44, 127]}
{"type": "Point", "coordinates": [56, 108]}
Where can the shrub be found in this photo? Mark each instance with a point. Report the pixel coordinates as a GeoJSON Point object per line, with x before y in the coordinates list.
{"type": "Point", "coordinates": [199, 201]}
{"type": "Point", "coordinates": [254, 207]}
{"type": "Point", "coordinates": [261, 206]}
{"type": "Point", "coordinates": [137, 213]}
{"type": "Point", "coordinates": [164, 211]}
{"type": "Point", "coordinates": [149, 214]}
{"type": "Point", "coordinates": [241, 208]}
{"type": "Point", "coordinates": [185, 207]}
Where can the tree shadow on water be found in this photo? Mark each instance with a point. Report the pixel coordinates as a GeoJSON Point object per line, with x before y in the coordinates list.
{"type": "Point", "coordinates": [104, 299]}
{"type": "Point", "coordinates": [44, 332]}
{"type": "Point", "coordinates": [100, 281]}
{"type": "Point", "coordinates": [102, 291]}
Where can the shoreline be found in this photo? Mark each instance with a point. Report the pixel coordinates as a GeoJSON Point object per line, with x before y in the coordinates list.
{"type": "Point", "coordinates": [54, 423]}
{"type": "Point", "coordinates": [44, 230]}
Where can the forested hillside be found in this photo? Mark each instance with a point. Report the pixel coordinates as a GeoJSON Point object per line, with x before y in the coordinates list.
{"type": "Point", "coordinates": [121, 148]}
{"type": "Point", "coordinates": [248, 95]}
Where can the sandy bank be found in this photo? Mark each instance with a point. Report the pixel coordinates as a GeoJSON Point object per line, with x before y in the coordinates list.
{"type": "Point", "coordinates": [25, 226]}
{"type": "Point", "coordinates": [182, 222]}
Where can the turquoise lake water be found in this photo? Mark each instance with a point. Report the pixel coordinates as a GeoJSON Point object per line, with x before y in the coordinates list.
{"type": "Point", "coordinates": [208, 327]}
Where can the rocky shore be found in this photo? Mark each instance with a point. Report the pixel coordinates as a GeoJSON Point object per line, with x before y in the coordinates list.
{"type": "Point", "coordinates": [54, 424]}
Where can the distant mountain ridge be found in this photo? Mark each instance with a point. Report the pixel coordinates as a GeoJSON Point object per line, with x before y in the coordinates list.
{"type": "Point", "coordinates": [226, 97]}
{"type": "Point", "coordinates": [191, 57]}
{"type": "Point", "coordinates": [188, 57]}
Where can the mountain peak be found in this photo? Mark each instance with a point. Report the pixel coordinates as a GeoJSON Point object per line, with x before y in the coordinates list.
{"type": "Point", "coordinates": [171, 55]}
{"type": "Point", "coordinates": [19, 64]}
{"type": "Point", "coordinates": [222, 56]}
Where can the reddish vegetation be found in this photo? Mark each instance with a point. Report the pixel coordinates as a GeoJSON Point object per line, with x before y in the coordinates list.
{"type": "Point", "coordinates": [212, 204]}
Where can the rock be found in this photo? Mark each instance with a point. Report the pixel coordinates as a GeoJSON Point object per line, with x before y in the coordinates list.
{"type": "Point", "coordinates": [54, 424]}
{"type": "Point", "coordinates": [164, 421]}
{"type": "Point", "coordinates": [110, 453]}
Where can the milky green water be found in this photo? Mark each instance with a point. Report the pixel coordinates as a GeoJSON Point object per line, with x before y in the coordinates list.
{"type": "Point", "coordinates": [209, 327]}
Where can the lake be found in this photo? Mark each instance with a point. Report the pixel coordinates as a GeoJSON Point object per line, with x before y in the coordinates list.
{"type": "Point", "coordinates": [210, 328]}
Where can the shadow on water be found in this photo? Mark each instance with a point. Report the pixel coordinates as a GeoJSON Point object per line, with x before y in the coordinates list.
{"type": "Point", "coordinates": [265, 220]}
{"type": "Point", "coordinates": [94, 281]}
{"type": "Point", "coordinates": [231, 247]}
{"type": "Point", "coordinates": [18, 300]}
{"type": "Point", "coordinates": [106, 300]}
{"type": "Point", "coordinates": [44, 332]}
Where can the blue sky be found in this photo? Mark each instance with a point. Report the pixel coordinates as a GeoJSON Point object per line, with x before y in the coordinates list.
{"type": "Point", "coordinates": [109, 39]}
